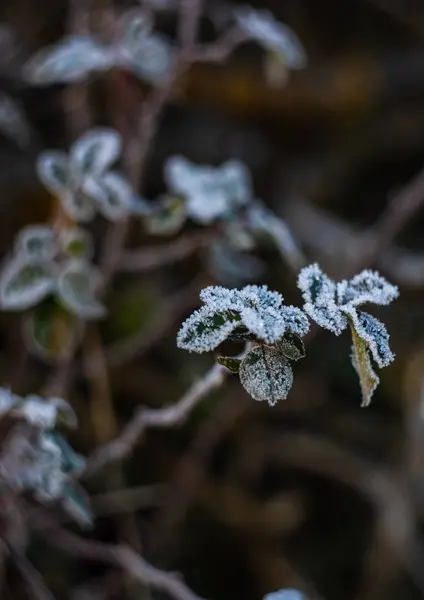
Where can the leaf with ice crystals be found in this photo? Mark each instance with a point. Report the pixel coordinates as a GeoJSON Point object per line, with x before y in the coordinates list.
{"type": "Point", "coordinates": [206, 329]}
{"type": "Point", "coordinates": [112, 193]}
{"type": "Point", "coordinates": [236, 181]}
{"type": "Point", "coordinates": [53, 170]}
{"type": "Point", "coordinates": [286, 594]}
{"type": "Point", "coordinates": [151, 60]}
{"type": "Point", "coordinates": [136, 25]}
{"type": "Point", "coordinates": [24, 283]}
{"type": "Point", "coordinates": [36, 241]}
{"type": "Point", "coordinates": [95, 151]}
{"type": "Point", "coordinates": [76, 287]}
{"type": "Point", "coordinates": [261, 26]}
{"type": "Point", "coordinates": [40, 413]}
{"type": "Point", "coordinates": [78, 205]}
{"type": "Point", "coordinates": [221, 298]}
{"type": "Point", "coordinates": [76, 242]}
{"type": "Point", "coordinates": [230, 363]}
{"type": "Point", "coordinates": [13, 121]}
{"type": "Point", "coordinates": [319, 292]}
{"type": "Point", "coordinates": [266, 375]}
{"type": "Point", "coordinates": [374, 334]}
{"type": "Point", "coordinates": [362, 364]}
{"type": "Point", "coordinates": [291, 346]}
{"type": "Point", "coordinates": [259, 296]}
{"type": "Point", "coordinates": [68, 61]}
{"type": "Point", "coordinates": [267, 324]}
{"type": "Point", "coordinates": [367, 286]}
{"type": "Point", "coordinates": [295, 319]}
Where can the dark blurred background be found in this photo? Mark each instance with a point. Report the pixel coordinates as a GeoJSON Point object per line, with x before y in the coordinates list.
{"type": "Point", "coordinates": [315, 493]}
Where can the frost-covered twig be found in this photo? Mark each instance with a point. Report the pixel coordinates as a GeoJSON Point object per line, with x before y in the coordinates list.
{"type": "Point", "coordinates": [121, 556]}
{"type": "Point", "coordinates": [170, 416]}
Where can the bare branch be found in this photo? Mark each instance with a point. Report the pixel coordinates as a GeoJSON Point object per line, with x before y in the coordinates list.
{"type": "Point", "coordinates": [221, 50]}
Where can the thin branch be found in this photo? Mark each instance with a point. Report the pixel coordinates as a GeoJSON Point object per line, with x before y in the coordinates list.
{"type": "Point", "coordinates": [221, 50]}
{"type": "Point", "coordinates": [170, 416]}
{"type": "Point", "coordinates": [188, 25]}
{"type": "Point", "coordinates": [121, 556]}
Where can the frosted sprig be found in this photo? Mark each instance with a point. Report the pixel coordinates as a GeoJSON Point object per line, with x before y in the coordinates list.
{"type": "Point", "coordinates": [45, 263]}
{"type": "Point", "coordinates": [260, 311]}
{"type": "Point", "coordinates": [261, 26]}
{"type": "Point", "coordinates": [334, 306]}
{"type": "Point", "coordinates": [210, 193]}
{"type": "Point", "coordinates": [82, 181]}
{"type": "Point", "coordinates": [136, 48]}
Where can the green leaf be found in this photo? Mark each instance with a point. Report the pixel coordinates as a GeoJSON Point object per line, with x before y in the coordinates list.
{"type": "Point", "coordinates": [168, 217]}
{"type": "Point", "coordinates": [362, 363]}
{"type": "Point", "coordinates": [24, 283]}
{"type": "Point", "coordinates": [232, 364]}
{"type": "Point", "coordinates": [50, 332]}
{"type": "Point", "coordinates": [292, 346]}
{"type": "Point", "coordinates": [266, 375]}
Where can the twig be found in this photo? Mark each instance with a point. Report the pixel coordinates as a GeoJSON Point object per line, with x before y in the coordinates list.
{"type": "Point", "coordinates": [188, 25]}
{"type": "Point", "coordinates": [143, 419]}
{"type": "Point", "coordinates": [118, 555]}
{"type": "Point", "coordinates": [221, 50]}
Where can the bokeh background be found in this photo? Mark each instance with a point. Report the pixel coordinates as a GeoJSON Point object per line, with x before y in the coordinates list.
{"type": "Point", "coordinates": [315, 493]}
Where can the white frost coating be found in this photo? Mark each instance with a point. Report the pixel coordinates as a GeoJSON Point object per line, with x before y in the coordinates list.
{"type": "Point", "coordinates": [76, 285]}
{"type": "Point", "coordinates": [151, 60]}
{"type": "Point", "coordinates": [287, 594]}
{"type": "Point", "coordinates": [367, 286]}
{"type": "Point", "coordinates": [266, 375]}
{"type": "Point", "coordinates": [54, 170]}
{"type": "Point", "coordinates": [204, 330]}
{"type": "Point", "coordinates": [24, 283]}
{"type": "Point", "coordinates": [36, 241]}
{"type": "Point", "coordinates": [374, 334]}
{"type": "Point", "coordinates": [112, 193]}
{"type": "Point", "coordinates": [210, 192]}
{"type": "Point", "coordinates": [319, 292]}
{"type": "Point", "coordinates": [95, 151]}
{"type": "Point", "coordinates": [68, 61]}
{"type": "Point", "coordinates": [136, 26]}
{"type": "Point", "coordinates": [7, 400]}
{"type": "Point", "coordinates": [79, 205]}
{"type": "Point", "coordinates": [296, 320]}
{"type": "Point", "coordinates": [267, 324]}
{"type": "Point", "coordinates": [39, 412]}
{"type": "Point", "coordinates": [221, 298]}
{"type": "Point", "coordinates": [272, 35]}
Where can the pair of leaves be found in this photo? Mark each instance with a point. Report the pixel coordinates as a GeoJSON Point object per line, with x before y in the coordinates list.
{"type": "Point", "coordinates": [82, 180]}
{"type": "Point", "coordinates": [210, 193]}
{"type": "Point", "coordinates": [265, 372]}
{"type": "Point", "coordinates": [334, 306]}
{"type": "Point", "coordinates": [75, 57]}
{"type": "Point", "coordinates": [257, 309]}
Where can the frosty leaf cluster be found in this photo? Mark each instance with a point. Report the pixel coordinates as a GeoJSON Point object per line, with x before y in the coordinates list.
{"type": "Point", "coordinates": [82, 180]}
{"type": "Point", "coordinates": [253, 314]}
{"type": "Point", "coordinates": [335, 307]}
{"type": "Point", "coordinates": [46, 263]}
{"type": "Point", "coordinates": [35, 458]}
{"type": "Point", "coordinates": [135, 48]}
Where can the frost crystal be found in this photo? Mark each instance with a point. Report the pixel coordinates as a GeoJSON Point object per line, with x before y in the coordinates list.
{"type": "Point", "coordinates": [266, 375]}
{"type": "Point", "coordinates": [210, 192]}
{"type": "Point", "coordinates": [261, 26]}
{"type": "Point", "coordinates": [334, 306]}
{"type": "Point", "coordinates": [259, 310]}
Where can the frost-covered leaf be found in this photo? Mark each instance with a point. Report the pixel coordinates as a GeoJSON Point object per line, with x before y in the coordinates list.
{"type": "Point", "coordinates": [374, 334]}
{"type": "Point", "coordinates": [136, 25]}
{"type": "Point", "coordinates": [79, 205]}
{"type": "Point", "coordinates": [221, 298]}
{"type": "Point", "coordinates": [230, 363]}
{"type": "Point", "coordinates": [39, 412]}
{"type": "Point", "coordinates": [206, 328]}
{"type": "Point", "coordinates": [259, 296]}
{"type": "Point", "coordinates": [68, 61]}
{"type": "Point", "coordinates": [36, 241]}
{"type": "Point", "coordinates": [76, 242]}
{"type": "Point", "coordinates": [266, 375]}
{"type": "Point", "coordinates": [53, 170]}
{"type": "Point", "coordinates": [50, 332]}
{"type": "Point", "coordinates": [13, 121]}
{"type": "Point", "coordinates": [7, 400]}
{"type": "Point", "coordinates": [362, 364]}
{"type": "Point", "coordinates": [241, 334]}
{"type": "Point", "coordinates": [24, 283]}
{"type": "Point", "coordinates": [112, 193]}
{"type": "Point", "coordinates": [95, 151]}
{"type": "Point", "coordinates": [319, 292]}
{"type": "Point", "coordinates": [285, 594]}
{"type": "Point", "coordinates": [167, 217]}
{"type": "Point", "coordinates": [76, 503]}
{"type": "Point", "coordinates": [367, 286]}
{"type": "Point", "coordinates": [151, 59]}
{"type": "Point", "coordinates": [230, 266]}
{"type": "Point", "coordinates": [292, 346]}
{"type": "Point", "coordinates": [237, 181]}
{"type": "Point", "coordinates": [262, 27]}
{"type": "Point", "coordinates": [267, 324]}
{"type": "Point", "coordinates": [76, 287]}
{"type": "Point", "coordinates": [296, 320]}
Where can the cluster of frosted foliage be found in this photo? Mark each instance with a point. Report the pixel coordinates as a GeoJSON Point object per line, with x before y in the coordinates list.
{"type": "Point", "coordinates": [260, 311]}
{"type": "Point", "coordinates": [45, 263]}
{"type": "Point", "coordinates": [210, 193]}
{"type": "Point", "coordinates": [136, 48]}
{"type": "Point", "coordinates": [82, 180]}
{"type": "Point", "coordinates": [285, 594]}
{"type": "Point", "coordinates": [273, 36]}
{"type": "Point", "coordinates": [334, 306]}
